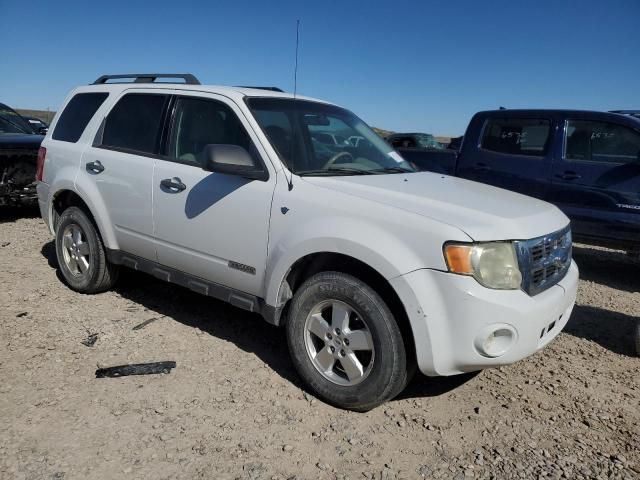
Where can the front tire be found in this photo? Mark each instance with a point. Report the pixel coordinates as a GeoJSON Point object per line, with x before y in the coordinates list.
{"type": "Point", "coordinates": [345, 342]}
{"type": "Point", "coordinates": [81, 254]}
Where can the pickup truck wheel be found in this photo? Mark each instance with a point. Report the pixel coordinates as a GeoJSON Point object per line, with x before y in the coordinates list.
{"type": "Point", "coordinates": [81, 253]}
{"type": "Point", "coordinates": [345, 342]}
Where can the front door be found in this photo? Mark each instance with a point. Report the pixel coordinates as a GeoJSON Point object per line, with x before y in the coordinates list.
{"type": "Point", "coordinates": [514, 153]}
{"type": "Point", "coordinates": [211, 225]}
{"type": "Point", "coordinates": [596, 180]}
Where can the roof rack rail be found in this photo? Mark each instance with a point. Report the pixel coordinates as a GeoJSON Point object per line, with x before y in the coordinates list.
{"type": "Point", "coordinates": [273, 89]}
{"type": "Point", "coordinates": [188, 78]}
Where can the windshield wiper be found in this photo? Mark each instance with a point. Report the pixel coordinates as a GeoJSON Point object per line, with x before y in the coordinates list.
{"type": "Point", "coordinates": [393, 170]}
{"type": "Point", "coordinates": [336, 171]}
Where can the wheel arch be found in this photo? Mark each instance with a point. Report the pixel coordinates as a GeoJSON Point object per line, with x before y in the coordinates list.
{"type": "Point", "coordinates": [312, 263]}
{"type": "Point", "coordinates": [68, 197]}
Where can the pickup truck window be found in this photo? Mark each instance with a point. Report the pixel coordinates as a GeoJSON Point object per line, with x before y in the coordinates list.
{"type": "Point", "coordinates": [601, 142]}
{"type": "Point", "coordinates": [134, 123]}
{"type": "Point", "coordinates": [199, 122]}
{"type": "Point", "coordinates": [77, 114]}
{"type": "Point", "coordinates": [517, 136]}
{"type": "Point", "coordinates": [403, 142]}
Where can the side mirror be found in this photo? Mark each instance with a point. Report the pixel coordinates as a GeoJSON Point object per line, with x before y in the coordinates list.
{"type": "Point", "coordinates": [232, 160]}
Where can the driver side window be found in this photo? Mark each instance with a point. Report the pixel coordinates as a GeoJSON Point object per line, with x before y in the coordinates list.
{"type": "Point", "coordinates": [199, 122]}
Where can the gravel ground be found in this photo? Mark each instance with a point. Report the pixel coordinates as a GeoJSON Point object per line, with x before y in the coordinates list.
{"type": "Point", "coordinates": [234, 408]}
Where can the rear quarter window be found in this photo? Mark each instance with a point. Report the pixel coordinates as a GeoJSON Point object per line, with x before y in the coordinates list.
{"type": "Point", "coordinates": [76, 115]}
{"type": "Point", "coordinates": [517, 136]}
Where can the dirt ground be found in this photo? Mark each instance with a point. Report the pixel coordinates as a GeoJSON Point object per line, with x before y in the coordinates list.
{"type": "Point", "coordinates": [234, 407]}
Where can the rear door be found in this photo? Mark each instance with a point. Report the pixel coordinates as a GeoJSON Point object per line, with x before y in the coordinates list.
{"type": "Point", "coordinates": [211, 225]}
{"type": "Point", "coordinates": [596, 179]}
{"type": "Point", "coordinates": [121, 163]}
{"type": "Point", "coordinates": [513, 153]}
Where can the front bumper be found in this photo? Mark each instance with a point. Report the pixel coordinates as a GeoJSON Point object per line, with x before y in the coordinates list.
{"type": "Point", "coordinates": [452, 315]}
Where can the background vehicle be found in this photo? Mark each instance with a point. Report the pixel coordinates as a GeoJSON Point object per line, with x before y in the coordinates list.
{"type": "Point", "coordinates": [586, 163]}
{"type": "Point", "coordinates": [38, 125]}
{"type": "Point", "coordinates": [374, 269]}
{"type": "Point", "coordinates": [19, 145]}
{"type": "Point", "coordinates": [414, 140]}
{"type": "Point", "coordinates": [329, 138]}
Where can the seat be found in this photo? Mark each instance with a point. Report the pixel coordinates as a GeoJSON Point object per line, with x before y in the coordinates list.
{"type": "Point", "coordinates": [202, 125]}
{"type": "Point", "coordinates": [579, 145]}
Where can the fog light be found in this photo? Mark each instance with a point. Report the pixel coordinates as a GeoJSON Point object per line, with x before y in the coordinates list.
{"type": "Point", "coordinates": [495, 340]}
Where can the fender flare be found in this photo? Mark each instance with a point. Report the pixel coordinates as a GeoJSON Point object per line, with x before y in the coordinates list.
{"type": "Point", "coordinates": [314, 240]}
{"type": "Point", "coordinates": [90, 195]}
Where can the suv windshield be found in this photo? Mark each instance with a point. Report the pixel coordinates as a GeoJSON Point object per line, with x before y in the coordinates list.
{"type": "Point", "coordinates": [12, 122]}
{"type": "Point", "coordinates": [311, 139]}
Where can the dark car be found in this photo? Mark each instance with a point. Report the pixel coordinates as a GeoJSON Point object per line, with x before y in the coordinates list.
{"type": "Point", "coordinates": [413, 140]}
{"type": "Point", "coordinates": [587, 163]}
{"type": "Point", "coordinates": [40, 126]}
{"type": "Point", "coordinates": [19, 144]}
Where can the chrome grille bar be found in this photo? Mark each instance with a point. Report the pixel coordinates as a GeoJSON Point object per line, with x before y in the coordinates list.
{"type": "Point", "coordinates": [544, 261]}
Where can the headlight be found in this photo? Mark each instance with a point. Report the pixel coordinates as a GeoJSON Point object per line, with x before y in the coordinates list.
{"type": "Point", "coordinates": [492, 264]}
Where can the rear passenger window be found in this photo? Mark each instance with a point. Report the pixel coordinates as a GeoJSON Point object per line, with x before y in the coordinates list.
{"type": "Point", "coordinates": [76, 116]}
{"type": "Point", "coordinates": [517, 136]}
{"type": "Point", "coordinates": [200, 122]}
{"type": "Point", "coordinates": [134, 123]}
{"type": "Point", "coordinates": [601, 142]}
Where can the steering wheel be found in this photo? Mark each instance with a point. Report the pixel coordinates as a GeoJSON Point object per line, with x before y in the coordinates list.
{"type": "Point", "coordinates": [333, 159]}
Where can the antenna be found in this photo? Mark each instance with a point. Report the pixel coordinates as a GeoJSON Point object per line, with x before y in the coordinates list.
{"type": "Point", "coordinates": [295, 92]}
{"type": "Point", "coordinates": [295, 70]}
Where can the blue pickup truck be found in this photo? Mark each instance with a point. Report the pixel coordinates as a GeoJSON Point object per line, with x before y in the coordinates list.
{"type": "Point", "coordinates": [586, 163]}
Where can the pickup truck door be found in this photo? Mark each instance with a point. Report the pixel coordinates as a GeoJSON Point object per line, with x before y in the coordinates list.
{"type": "Point", "coordinates": [596, 180]}
{"type": "Point", "coordinates": [210, 225]}
{"type": "Point", "coordinates": [512, 152]}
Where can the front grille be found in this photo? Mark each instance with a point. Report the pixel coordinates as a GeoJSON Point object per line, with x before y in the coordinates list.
{"type": "Point", "coordinates": [544, 261]}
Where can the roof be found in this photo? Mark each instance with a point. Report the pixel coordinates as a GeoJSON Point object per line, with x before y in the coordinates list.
{"type": "Point", "coordinates": [236, 93]}
{"type": "Point", "coordinates": [591, 114]}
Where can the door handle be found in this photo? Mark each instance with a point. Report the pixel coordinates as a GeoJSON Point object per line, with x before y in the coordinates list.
{"type": "Point", "coordinates": [95, 167]}
{"type": "Point", "coordinates": [173, 185]}
{"type": "Point", "coordinates": [569, 175]}
{"type": "Point", "coordinates": [482, 167]}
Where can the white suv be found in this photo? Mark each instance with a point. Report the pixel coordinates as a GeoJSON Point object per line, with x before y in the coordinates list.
{"type": "Point", "coordinates": [371, 267]}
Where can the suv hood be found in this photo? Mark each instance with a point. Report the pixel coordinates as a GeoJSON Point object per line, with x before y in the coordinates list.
{"type": "Point", "coordinates": [483, 212]}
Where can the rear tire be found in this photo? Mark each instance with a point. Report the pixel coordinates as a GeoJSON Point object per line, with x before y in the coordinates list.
{"type": "Point", "coordinates": [345, 342]}
{"type": "Point", "coordinates": [81, 254]}
{"type": "Point", "coordinates": [637, 338]}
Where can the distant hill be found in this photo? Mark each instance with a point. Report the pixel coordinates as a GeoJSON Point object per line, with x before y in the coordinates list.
{"type": "Point", "coordinates": [385, 133]}
{"type": "Point", "coordinates": [381, 132]}
{"type": "Point", "coordinates": [44, 115]}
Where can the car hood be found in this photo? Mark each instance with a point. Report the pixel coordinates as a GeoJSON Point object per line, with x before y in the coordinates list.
{"type": "Point", "coordinates": [481, 211]}
{"type": "Point", "coordinates": [20, 141]}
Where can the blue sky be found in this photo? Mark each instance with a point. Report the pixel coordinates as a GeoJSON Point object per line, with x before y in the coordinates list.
{"type": "Point", "coordinates": [419, 66]}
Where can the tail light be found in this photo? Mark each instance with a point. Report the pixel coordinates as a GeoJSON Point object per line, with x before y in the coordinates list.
{"type": "Point", "coordinates": [42, 153]}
